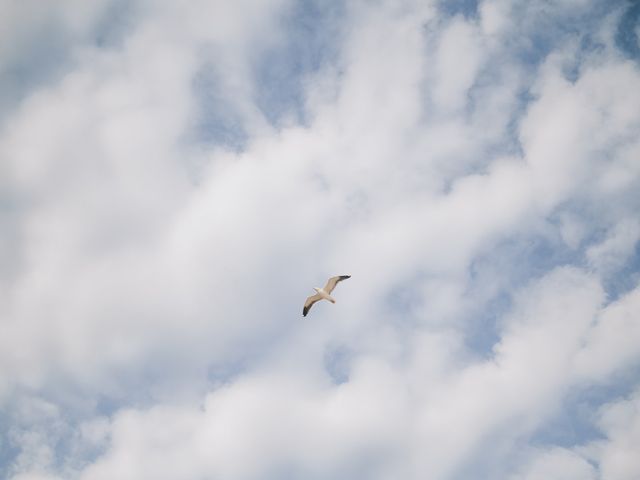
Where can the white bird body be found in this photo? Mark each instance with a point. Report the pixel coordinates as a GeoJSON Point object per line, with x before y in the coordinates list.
{"type": "Point", "coordinates": [323, 293]}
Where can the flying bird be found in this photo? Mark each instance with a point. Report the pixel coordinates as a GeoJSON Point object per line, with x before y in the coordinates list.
{"type": "Point", "coordinates": [323, 293]}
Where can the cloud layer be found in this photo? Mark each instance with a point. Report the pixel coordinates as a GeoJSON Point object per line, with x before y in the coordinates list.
{"type": "Point", "coordinates": [175, 178]}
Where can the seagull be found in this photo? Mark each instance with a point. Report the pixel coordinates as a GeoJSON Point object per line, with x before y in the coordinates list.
{"type": "Point", "coordinates": [323, 293]}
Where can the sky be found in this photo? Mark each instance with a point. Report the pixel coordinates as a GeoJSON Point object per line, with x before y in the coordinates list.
{"type": "Point", "coordinates": [175, 177]}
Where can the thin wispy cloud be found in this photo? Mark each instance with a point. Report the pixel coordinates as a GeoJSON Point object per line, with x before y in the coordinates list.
{"type": "Point", "coordinates": [174, 177]}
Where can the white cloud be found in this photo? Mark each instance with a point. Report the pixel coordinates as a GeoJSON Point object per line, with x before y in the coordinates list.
{"type": "Point", "coordinates": [494, 16]}
{"type": "Point", "coordinates": [557, 464]}
{"type": "Point", "coordinates": [621, 423]}
{"type": "Point", "coordinates": [613, 252]}
{"type": "Point", "coordinates": [22, 23]}
{"type": "Point", "coordinates": [151, 315]}
{"type": "Point", "coordinates": [613, 341]}
{"type": "Point", "coordinates": [288, 417]}
{"type": "Point", "coordinates": [457, 61]}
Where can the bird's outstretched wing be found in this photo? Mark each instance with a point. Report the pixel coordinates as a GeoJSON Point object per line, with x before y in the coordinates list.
{"type": "Point", "coordinates": [333, 281]}
{"type": "Point", "coordinates": [309, 302]}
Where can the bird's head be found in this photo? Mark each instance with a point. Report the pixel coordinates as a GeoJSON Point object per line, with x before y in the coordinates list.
{"type": "Point", "coordinates": [316, 289]}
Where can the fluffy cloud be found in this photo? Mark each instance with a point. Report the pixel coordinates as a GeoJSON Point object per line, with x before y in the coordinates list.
{"type": "Point", "coordinates": [557, 463]}
{"type": "Point", "coordinates": [168, 205]}
{"type": "Point", "coordinates": [621, 423]}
